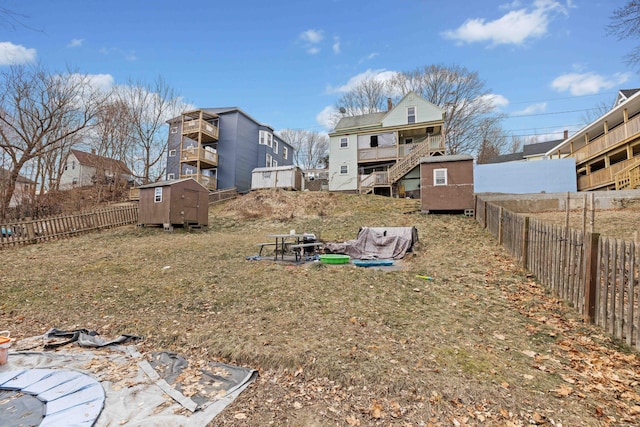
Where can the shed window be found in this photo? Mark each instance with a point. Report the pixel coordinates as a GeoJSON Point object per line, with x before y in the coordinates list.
{"type": "Point", "coordinates": [158, 196]}
{"type": "Point", "coordinates": [439, 177]}
{"type": "Point", "coordinates": [411, 115]}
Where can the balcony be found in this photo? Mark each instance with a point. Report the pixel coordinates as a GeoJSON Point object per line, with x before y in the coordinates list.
{"type": "Point", "coordinates": [193, 155]}
{"type": "Point", "coordinates": [435, 145]}
{"type": "Point", "coordinates": [606, 142]}
{"type": "Point", "coordinates": [207, 181]}
{"type": "Point", "coordinates": [603, 178]}
{"type": "Point", "coordinates": [200, 126]}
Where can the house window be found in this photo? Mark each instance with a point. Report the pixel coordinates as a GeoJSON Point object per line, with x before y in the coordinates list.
{"type": "Point", "coordinates": [266, 138]}
{"type": "Point", "coordinates": [172, 153]}
{"type": "Point", "coordinates": [411, 115]}
{"type": "Point", "coordinates": [275, 146]}
{"type": "Point", "coordinates": [268, 160]}
{"type": "Point", "coordinates": [344, 169]}
{"type": "Point", "coordinates": [188, 171]}
{"type": "Point", "coordinates": [374, 141]}
{"type": "Point", "coordinates": [408, 140]}
{"type": "Point", "coordinates": [285, 152]}
{"type": "Point", "coordinates": [439, 177]}
{"type": "Point", "coordinates": [174, 129]}
{"type": "Point", "coordinates": [158, 195]}
{"type": "Point", "coordinates": [171, 176]}
{"type": "Point", "coordinates": [75, 180]}
{"type": "Point", "coordinates": [274, 163]}
{"type": "Point", "coordinates": [344, 142]}
{"type": "Point", "coordinates": [73, 164]}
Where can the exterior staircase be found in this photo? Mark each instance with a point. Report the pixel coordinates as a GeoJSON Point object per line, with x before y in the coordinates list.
{"type": "Point", "coordinates": [629, 177]}
{"type": "Point", "coordinates": [404, 166]}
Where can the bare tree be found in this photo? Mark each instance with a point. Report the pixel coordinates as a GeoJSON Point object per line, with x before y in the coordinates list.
{"type": "Point", "coordinates": [493, 140]}
{"type": "Point", "coordinates": [460, 92]}
{"type": "Point", "coordinates": [625, 24]}
{"type": "Point", "coordinates": [310, 148]}
{"type": "Point", "coordinates": [39, 113]}
{"type": "Point", "coordinates": [596, 112]}
{"type": "Point", "coordinates": [368, 96]}
{"type": "Point", "coordinates": [149, 107]}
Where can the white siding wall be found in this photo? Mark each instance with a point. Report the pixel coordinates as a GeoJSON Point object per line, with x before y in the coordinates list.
{"type": "Point", "coordinates": [343, 157]}
{"type": "Point", "coordinates": [425, 111]}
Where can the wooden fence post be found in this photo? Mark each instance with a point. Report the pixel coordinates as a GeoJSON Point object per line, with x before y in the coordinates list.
{"type": "Point", "coordinates": [500, 226]}
{"type": "Point", "coordinates": [591, 273]}
{"type": "Point", "coordinates": [484, 214]}
{"type": "Point", "coordinates": [525, 243]}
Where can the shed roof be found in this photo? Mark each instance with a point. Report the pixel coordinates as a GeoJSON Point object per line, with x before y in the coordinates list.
{"type": "Point", "coordinates": [450, 158]}
{"type": "Point", "coordinates": [170, 182]}
{"type": "Point", "coordinates": [275, 168]}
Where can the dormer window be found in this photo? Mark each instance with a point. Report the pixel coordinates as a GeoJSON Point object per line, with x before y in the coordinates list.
{"type": "Point", "coordinates": [411, 115]}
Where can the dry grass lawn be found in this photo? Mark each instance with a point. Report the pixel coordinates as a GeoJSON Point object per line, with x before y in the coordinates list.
{"type": "Point", "coordinates": [480, 344]}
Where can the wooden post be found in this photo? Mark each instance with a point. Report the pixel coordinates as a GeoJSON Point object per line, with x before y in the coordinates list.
{"type": "Point", "coordinates": [591, 274]}
{"type": "Point", "coordinates": [484, 214]}
{"type": "Point", "coordinates": [584, 215]}
{"type": "Point", "coordinates": [525, 243]}
{"type": "Point", "coordinates": [593, 212]}
{"type": "Point", "coordinates": [500, 226]}
{"type": "Point", "coordinates": [566, 208]}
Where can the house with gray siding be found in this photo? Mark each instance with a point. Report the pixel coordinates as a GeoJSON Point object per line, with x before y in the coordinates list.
{"type": "Point", "coordinates": [220, 147]}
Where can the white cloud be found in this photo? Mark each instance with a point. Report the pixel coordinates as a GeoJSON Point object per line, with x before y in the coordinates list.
{"type": "Point", "coordinates": [327, 117]}
{"type": "Point", "coordinates": [129, 56]}
{"type": "Point", "coordinates": [495, 100]}
{"type": "Point", "coordinates": [75, 43]}
{"type": "Point", "coordinates": [540, 107]}
{"type": "Point", "coordinates": [14, 54]}
{"type": "Point", "coordinates": [381, 75]}
{"type": "Point", "coordinates": [311, 40]}
{"type": "Point", "coordinates": [515, 27]}
{"type": "Point", "coordinates": [336, 45]}
{"type": "Point", "coordinates": [312, 36]}
{"type": "Point", "coordinates": [587, 83]}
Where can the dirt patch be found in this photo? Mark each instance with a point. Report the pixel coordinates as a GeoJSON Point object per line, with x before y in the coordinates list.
{"type": "Point", "coordinates": [617, 223]}
{"type": "Point", "coordinates": [481, 343]}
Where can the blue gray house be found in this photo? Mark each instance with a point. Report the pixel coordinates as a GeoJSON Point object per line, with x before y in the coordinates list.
{"type": "Point", "coordinates": [220, 147]}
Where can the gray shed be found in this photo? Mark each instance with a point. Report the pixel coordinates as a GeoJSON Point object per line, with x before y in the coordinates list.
{"type": "Point", "coordinates": [183, 202]}
{"type": "Point", "coordinates": [288, 177]}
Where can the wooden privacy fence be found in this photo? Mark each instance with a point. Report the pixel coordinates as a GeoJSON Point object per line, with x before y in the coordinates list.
{"type": "Point", "coordinates": [63, 226]}
{"type": "Point", "coordinates": [599, 276]}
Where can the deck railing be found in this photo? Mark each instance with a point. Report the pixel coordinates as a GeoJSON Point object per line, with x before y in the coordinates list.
{"type": "Point", "coordinates": [197, 125]}
{"type": "Point", "coordinates": [608, 140]}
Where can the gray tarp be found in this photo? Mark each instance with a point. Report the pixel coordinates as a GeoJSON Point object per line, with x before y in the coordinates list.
{"type": "Point", "coordinates": [138, 391]}
{"type": "Point", "coordinates": [377, 243]}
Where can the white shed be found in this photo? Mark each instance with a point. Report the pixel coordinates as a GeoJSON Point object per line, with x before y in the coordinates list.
{"type": "Point", "coordinates": [289, 177]}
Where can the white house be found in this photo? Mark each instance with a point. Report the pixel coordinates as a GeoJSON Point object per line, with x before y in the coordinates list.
{"type": "Point", "coordinates": [381, 152]}
{"type": "Point", "coordinates": [84, 169]}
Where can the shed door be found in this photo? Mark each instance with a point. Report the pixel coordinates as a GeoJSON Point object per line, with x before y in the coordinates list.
{"type": "Point", "coordinates": [190, 205]}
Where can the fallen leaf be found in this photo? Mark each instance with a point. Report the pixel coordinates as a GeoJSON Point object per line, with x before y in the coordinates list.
{"type": "Point", "coordinates": [240, 416]}
{"type": "Point", "coordinates": [539, 419]}
{"type": "Point", "coordinates": [353, 421]}
{"type": "Point", "coordinates": [376, 410]}
{"type": "Point", "coordinates": [563, 391]}
{"type": "Point", "coordinates": [297, 405]}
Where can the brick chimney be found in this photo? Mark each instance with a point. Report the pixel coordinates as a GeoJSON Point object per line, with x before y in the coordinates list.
{"type": "Point", "coordinates": [389, 104]}
{"type": "Point", "coordinates": [566, 134]}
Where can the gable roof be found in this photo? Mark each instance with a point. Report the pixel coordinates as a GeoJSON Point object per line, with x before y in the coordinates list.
{"type": "Point", "coordinates": [528, 150]}
{"type": "Point", "coordinates": [4, 174]}
{"type": "Point", "coordinates": [374, 119]}
{"type": "Point", "coordinates": [95, 161]}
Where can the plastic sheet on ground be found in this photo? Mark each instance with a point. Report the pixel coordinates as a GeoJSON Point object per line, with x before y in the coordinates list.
{"type": "Point", "coordinates": [377, 243]}
{"type": "Point", "coordinates": [159, 389]}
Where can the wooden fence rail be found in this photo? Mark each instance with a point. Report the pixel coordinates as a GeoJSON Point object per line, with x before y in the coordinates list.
{"type": "Point", "coordinates": [62, 226]}
{"type": "Point", "coordinates": [599, 276]}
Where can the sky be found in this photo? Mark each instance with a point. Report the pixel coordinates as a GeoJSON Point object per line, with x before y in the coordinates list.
{"type": "Point", "coordinates": [547, 63]}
